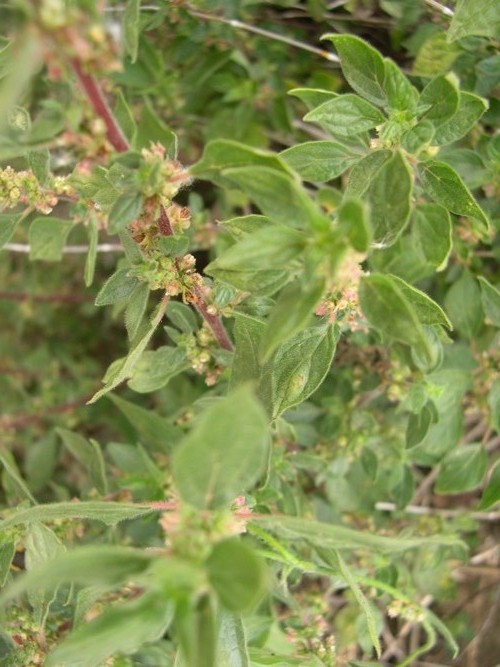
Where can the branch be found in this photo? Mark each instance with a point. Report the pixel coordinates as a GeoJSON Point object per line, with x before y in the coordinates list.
{"type": "Point", "coordinates": [440, 8]}
{"type": "Point", "coordinates": [101, 107]}
{"type": "Point", "coordinates": [235, 23]}
{"type": "Point", "coordinates": [67, 250]}
{"type": "Point", "coordinates": [446, 514]}
{"type": "Point", "coordinates": [120, 143]}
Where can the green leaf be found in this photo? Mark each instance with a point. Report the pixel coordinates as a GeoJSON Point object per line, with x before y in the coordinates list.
{"type": "Point", "coordinates": [418, 426]}
{"type": "Point", "coordinates": [246, 264]}
{"type": "Point", "coordinates": [136, 308]}
{"type": "Point", "coordinates": [275, 245]}
{"type": "Point", "coordinates": [7, 551]}
{"type": "Point", "coordinates": [24, 58]}
{"type": "Point", "coordinates": [125, 210]}
{"type": "Point", "coordinates": [474, 17]}
{"type": "Point", "coordinates": [389, 197]}
{"type": "Point", "coordinates": [47, 237]}
{"type": "Point", "coordinates": [232, 643]}
{"type": "Point", "coordinates": [173, 246]}
{"type": "Point", "coordinates": [236, 574]}
{"type": "Point", "coordinates": [427, 310]}
{"type": "Point", "coordinates": [469, 111]}
{"type": "Point", "coordinates": [494, 404]}
{"type": "Point", "coordinates": [401, 95]}
{"type": "Point", "coordinates": [365, 171]}
{"type": "Point", "coordinates": [182, 317]}
{"type": "Point", "coordinates": [89, 455]}
{"type": "Point", "coordinates": [125, 117]}
{"type": "Point", "coordinates": [354, 221]}
{"type": "Point", "coordinates": [346, 115]}
{"type": "Point", "coordinates": [247, 334]}
{"type": "Point", "coordinates": [277, 195]}
{"type": "Point", "coordinates": [312, 97]}
{"type": "Point", "coordinates": [87, 566]}
{"type": "Point", "coordinates": [225, 454]}
{"type": "Point", "coordinates": [491, 494]}
{"type": "Point", "coordinates": [463, 305]}
{"type": "Point", "coordinates": [419, 137]}
{"type": "Point", "coordinates": [246, 225]}
{"type": "Point", "coordinates": [389, 311]}
{"type": "Point", "coordinates": [300, 366]}
{"type": "Point", "coordinates": [14, 476]}
{"type": "Point", "coordinates": [152, 129]}
{"type": "Point", "coordinates": [117, 287]}
{"type": "Point", "coordinates": [335, 536]}
{"type": "Point", "coordinates": [132, 251]}
{"type": "Point", "coordinates": [362, 601]}
{"type": "Point", "coordinates": [131, 25]}
{"type": "Point", "coordinates": [462, 469]}
{"type": "Point", "coordinates": [154, 431]}
{"type": "Point", "coordinates": [124, 369]}
{"type": "Point", "coordinates": [41, 546]}
{"type": "Point", "coordinates": [108, 512]}
{"type": "Point", "coordinates": [362, 66]}
{"type": "Point", "coordinates": [90, 260]}
{"type": "Point", "coordinates": [291, 313]}
{"type": "Point", "coordinates": [435, 56]}
{"type": "Point", "coordinates": [39, 163]}
{"type": "Point", "coordinates": [432, 233]}
{"type": "Point", "coordinates": [442, 97]}
{"type": "Point", "coordinates": [222, 154]}
{"type": "Point", "coordinates": [123, 628]}
{"type": "Point", "coordinates": [490, 298]}
{"type": "Point", "coordinates": [8, 225]}
{"type": "Point", "coordinates": [320, 161]}
{"type": "Point", "coordinates": [442, 183]}
{"type": "Point", "coordinates": [156, 368]}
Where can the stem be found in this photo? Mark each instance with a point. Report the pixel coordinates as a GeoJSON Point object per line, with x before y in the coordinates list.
{"type": "Point", "coordinates": [67, 250]}
{"type": "Point", "coordinates": [214, 323]}
{"type": "Point", "coordinates": [234, 23]}
{"type": "Point", "coordinates": [120, 143]}
{"type": "Point", "coordinates": [101, 107]}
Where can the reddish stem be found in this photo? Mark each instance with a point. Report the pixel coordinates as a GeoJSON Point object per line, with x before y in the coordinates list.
{"type": "Point", "coordinates": [120, 143]}
{"type": "Point", "coordinates": [215, 325]}
{"type": "Point", "coordinates": [98, 101]}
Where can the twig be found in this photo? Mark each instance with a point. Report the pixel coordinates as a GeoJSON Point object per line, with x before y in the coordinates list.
{"type": "Point", "coordinates": [67, 250]}
{"type": "Point", "coordinates": [448, 514]}
{"type": "Point", "coordinates": [440, 8]}
{"type": "Point", "coordinates": [240, 25]}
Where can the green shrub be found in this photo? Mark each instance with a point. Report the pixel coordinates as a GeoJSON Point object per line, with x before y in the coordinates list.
{"type": "Point", "coordinates": [311, 328]}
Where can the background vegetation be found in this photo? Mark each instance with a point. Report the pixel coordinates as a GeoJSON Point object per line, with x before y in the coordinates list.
{"type": "Point", "coordinates": [293, 459]}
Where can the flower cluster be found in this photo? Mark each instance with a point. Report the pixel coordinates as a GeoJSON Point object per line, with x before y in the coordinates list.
{"type": "Point", "coordinates": [160, 175]}
{"type": "Point", "coordinates": [200, 348]}
{"type": "Point", "coordinates": [342, 304]}
{"type": "Point", "coordinates": [22, 188]}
